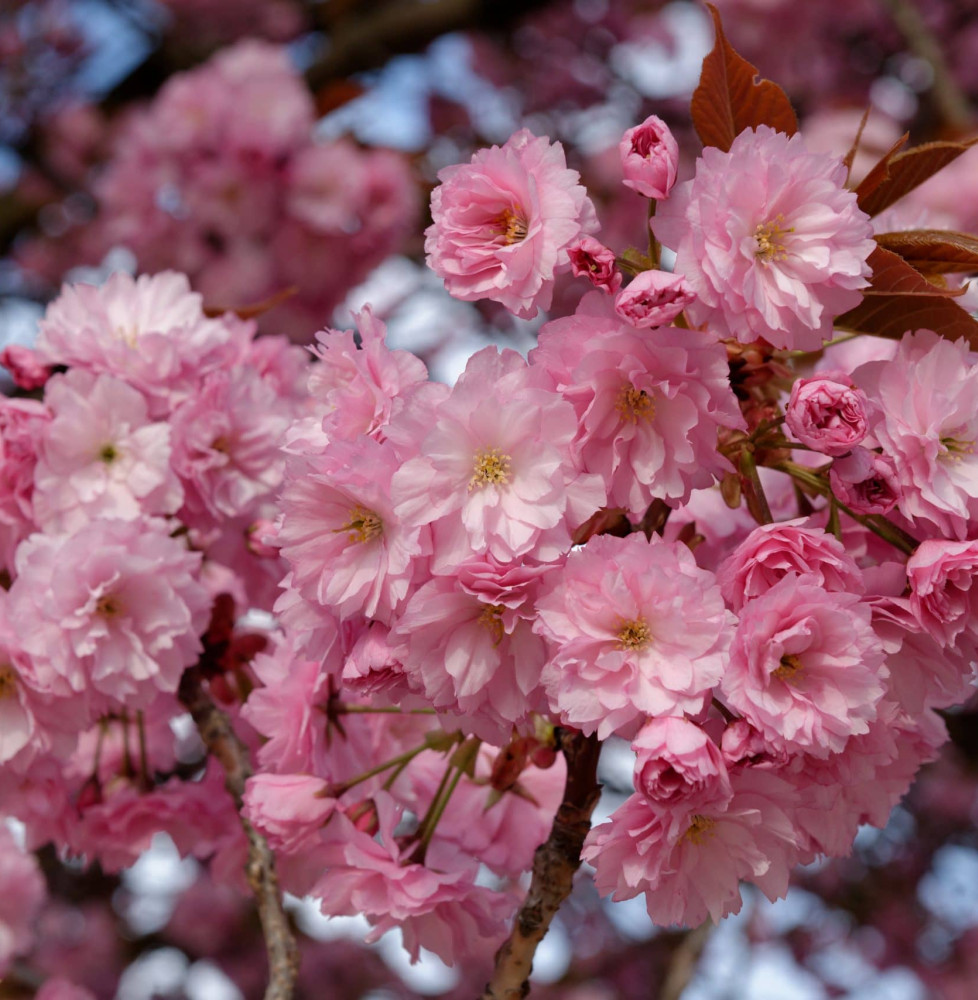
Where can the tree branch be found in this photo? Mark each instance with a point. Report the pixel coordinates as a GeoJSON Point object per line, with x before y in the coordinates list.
{"type": "Point", "coordinates": [554, 865]}
{"type": "Point", "coordinates": [684, 961]}
{"type": "Point", "coordinates": [223, 744]}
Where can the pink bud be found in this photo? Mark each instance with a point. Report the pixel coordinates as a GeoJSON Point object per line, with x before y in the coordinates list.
{"type": "Point", "coordinates": [594, 261]}
{"type": "Point", "coordinates": [25, 367]}
{"type": "Point", "coordinates": [654, 298]}
{"type": "Point", "coordinates": [865, 482]}
{"type": "Point", "coordinates": [649, 158]}
{"type": "Point", "coordinates": [827, 414]}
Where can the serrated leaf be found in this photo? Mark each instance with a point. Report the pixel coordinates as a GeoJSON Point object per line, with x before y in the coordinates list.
{"type": "Point", "coordinates": [900, 298]}
{"type": "Point", "coordinates": [897, 174]}
{"type": "Point", "coordinates": [731, 98]}
{"type": "Point", "coordinates": [880, 170]}
{"type": "Point", "coordinates": [934, 251]}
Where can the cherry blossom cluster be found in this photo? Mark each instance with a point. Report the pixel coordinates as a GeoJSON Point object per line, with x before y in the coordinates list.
{"type": "Point", "coordinates": [684, 521]}
{"type": "Point", "coordinates": [132, 500]}
{"type": "Point", "coordinates": [221, 178]}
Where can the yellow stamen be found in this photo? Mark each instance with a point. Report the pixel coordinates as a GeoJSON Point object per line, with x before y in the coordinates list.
{"type": "Point", "coordinates": [8, 681]}
{"type": "Point", "coordinates": [512, 227]}
{"type": "Point", "coordinates": [634, 404]}
{"type": "Point", "coordinates": [769, 237]}
{"type": "Point", "coordinates": [108, 453]}
{"type": "Point", "coordinates": [491, 466]}
{"type": "Point", "coordinates": [700, 829]}
{"type": "Point", "coordinates": [363, 525]}
{"type": "Point", "coordinates": [108, 605]}
{"type": "Point", "coordinates": [791, 667]}
{"type": "Point", "coordinates": [634, 634]}
{"type": "Point", "coordinates": [955, 449]}
{"type": "Point", "coordinates": [490, 619]}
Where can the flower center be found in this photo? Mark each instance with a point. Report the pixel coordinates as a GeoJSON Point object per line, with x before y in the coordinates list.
{"type": "Point", "coordinates": [700, 829]}
{"type": "Point", "coordinates": [634, 634]}
{"type": "Point", "coordinates": [8, 681]}
{"type": "Point", "coordinates": [108, 453]}
{"type": "Point", "coordinates": [222, 444]}
{"type": "Point", "coordinates": [769, 237]}
{"type": "Point", "coordinates": [108, 606]}
{"type": "Point", "coordinates": [512, 227]}
{"type": "Point", "coordinates": [491, 620]}
{"type": "Point", "coordinates": [955, 449]}
{"type": "Point", "coordinates": [491, 466]}
{"type": "Point", "coordinates": [789, 669]}
{"type": "Point", "coordinates": [363, 525]}
{"type": "Point", "coordinates": [634, 404]}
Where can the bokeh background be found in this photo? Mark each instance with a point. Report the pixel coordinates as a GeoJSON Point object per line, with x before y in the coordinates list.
{"type": "Point", "coordinates": [281, 151]}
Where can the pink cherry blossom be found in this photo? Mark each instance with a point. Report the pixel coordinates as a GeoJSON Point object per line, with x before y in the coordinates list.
{"type": "Point", "coordinates": [649, 158]}
{"type": "Point", "coordinates": [772, 551]}
{"type": "Point", "coordinates": [653, 298]}
{"type": "Point", "coordinates": [943, 594]}
{"type": "Point", "coordinates": [101, 455]}
{"type": "Point", "coordinates": [594, 261]}
{"type": "Point", "coordinates": [125, 622]}
{"type": "Point", "coordinates": [827, 414]}
{"type": "Point", "coordinates": [503, 224]}
{"type": "Point", "coordinates": [649, 404]}
{"type": "Point", "coordinates": [634, 628]}
{"type": "Point", "coordinates": [866, 482]}
{"type": "Point", "coordinates": [806, 667]}
{"type": "Point", "coordinates": [23, 423]}
{"type": "Point", "coordinates": [22, 891]}
{"type": "Point", "coordinates": [770, 239]}
{"type": "Point", "coordinates": [287, 808]}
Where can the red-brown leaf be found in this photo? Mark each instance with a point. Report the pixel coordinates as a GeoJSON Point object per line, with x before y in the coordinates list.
{"type": "Point", "coordinates": [901, 299]}
{"type": "Point", "coordinates": [898, 174]}
{"type": "Point", "coordinates": [934, 251]}
{"type": "Point", "coordinates": [730, 98]}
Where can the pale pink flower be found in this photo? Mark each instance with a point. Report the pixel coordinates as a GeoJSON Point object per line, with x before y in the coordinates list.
{"type": "Point", "coordinates": [503, 224]}
{"type": "Point", "coordinates": [356, 387]}
{"type": "Point", "coordinates": [772, 551]}
{"type": "Point", "coordinates": [806, 667]}
{"type": "Point", "coordinates": [653, 298]}
{"type": "Point", "coordinates": [496, 473]}
{"type": "Point", "coordinates": [770, 239]}
{"type": "Point", "coordinates": [943, 593]}
{"type": "Point", "coordinates": [649, 158]}
{"type": "Point", "coordinates": [593, 260]}
{"type": "Point", "coordinates": [471, 655]}
{"type": "Point", "coordinates": [101, 455]}
{"type": "Point", "coordinates": [690, 867]}
{"type": "Point", "coordinates": [678, 767]}
{"type": "Point", "coordinates": [635, 628]}
{"type": "Point", "coordinates": [23, 423]}
{"type": "Point", "coordinates": [347, 548]}
{"type": "Point", "coordinates": [436, 905]}
{"type": "Point", "coordinates": [827, 413]}
{"type": "Point", "coordinates": [125, 622]}
{"type": "Point", "coordinates": [287, 808]}
{"type": "Point", "coordinates": [150, 331]}
{"type": "Point", "coordinates": [227, 446]}
{"type": "Point", "coordinates": [22, 892]}
{"type": "Point", "coordinates": [866, 482]}
{"type": "Point", "coordinates": [927, 423]}
{"type": "Point", "coordinates": [649, 404]}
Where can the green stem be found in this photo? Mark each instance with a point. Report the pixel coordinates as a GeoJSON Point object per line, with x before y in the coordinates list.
{"type": "Point", "coordinates": [143, 755]}
{"type": "Point", "coordinates": [655, 251]}
{"type": "Point", "coordinates": [126, 753]}
{"type": "Point", "coordinates": [383, 710]}
{"type": "Point", "coordinates": [435, 811]}
{"type": "Point", "coordinates": [401, 760]}
{"type": "Point", "coordinates": [756, 500]}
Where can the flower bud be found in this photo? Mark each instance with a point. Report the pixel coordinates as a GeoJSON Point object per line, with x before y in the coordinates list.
{"type": "Point", "coordinates": [649, 158]}
{"type": "Point", "coordinates": [654, 298]}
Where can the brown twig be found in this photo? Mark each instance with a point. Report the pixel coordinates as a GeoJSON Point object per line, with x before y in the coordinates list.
{"type": "Point", "coordinates": [684, 961]}
{"type": "Point", "coordinates": [554, 864]}
{"type": "Point", "coordinates": [949, 99]}
{"type": "Point", "coordinates": [223, 744]}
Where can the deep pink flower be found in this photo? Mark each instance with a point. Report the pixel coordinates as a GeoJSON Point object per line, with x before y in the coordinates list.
{"type": "Point", "coordinates": [503, 223]}
{"type": "Point", "coordinates": [635, 628]}
{"type": "Point", "coordinates": [594, 261]}
{"type": "Point", "coordinates": [27, 369]}
{"type": "Point", "coordinates": [944, 594]}
{"type": "Point", "coordinates": [653, 298]}
{"type": "Point", "coordinates": [866, 482]}
{"type": "Point", "coordinates": [827, 413]}
{"type": "Point", "coordinates": [649, 158]}
{"type": "Point", "coordinates": [772, 551]}
{"type": "Point", "coordinates": [927, 423]}
{"type": "Point", "coordinates": [649, 404]}
{"type": "Point", "coordinates": [125, 622]}
{"type": "Point", "coordinates": [806, 667]}
{"type": "Point", "coordinates": [770, 239]}
{"type": "Point", "coordinates": [690, 867]}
